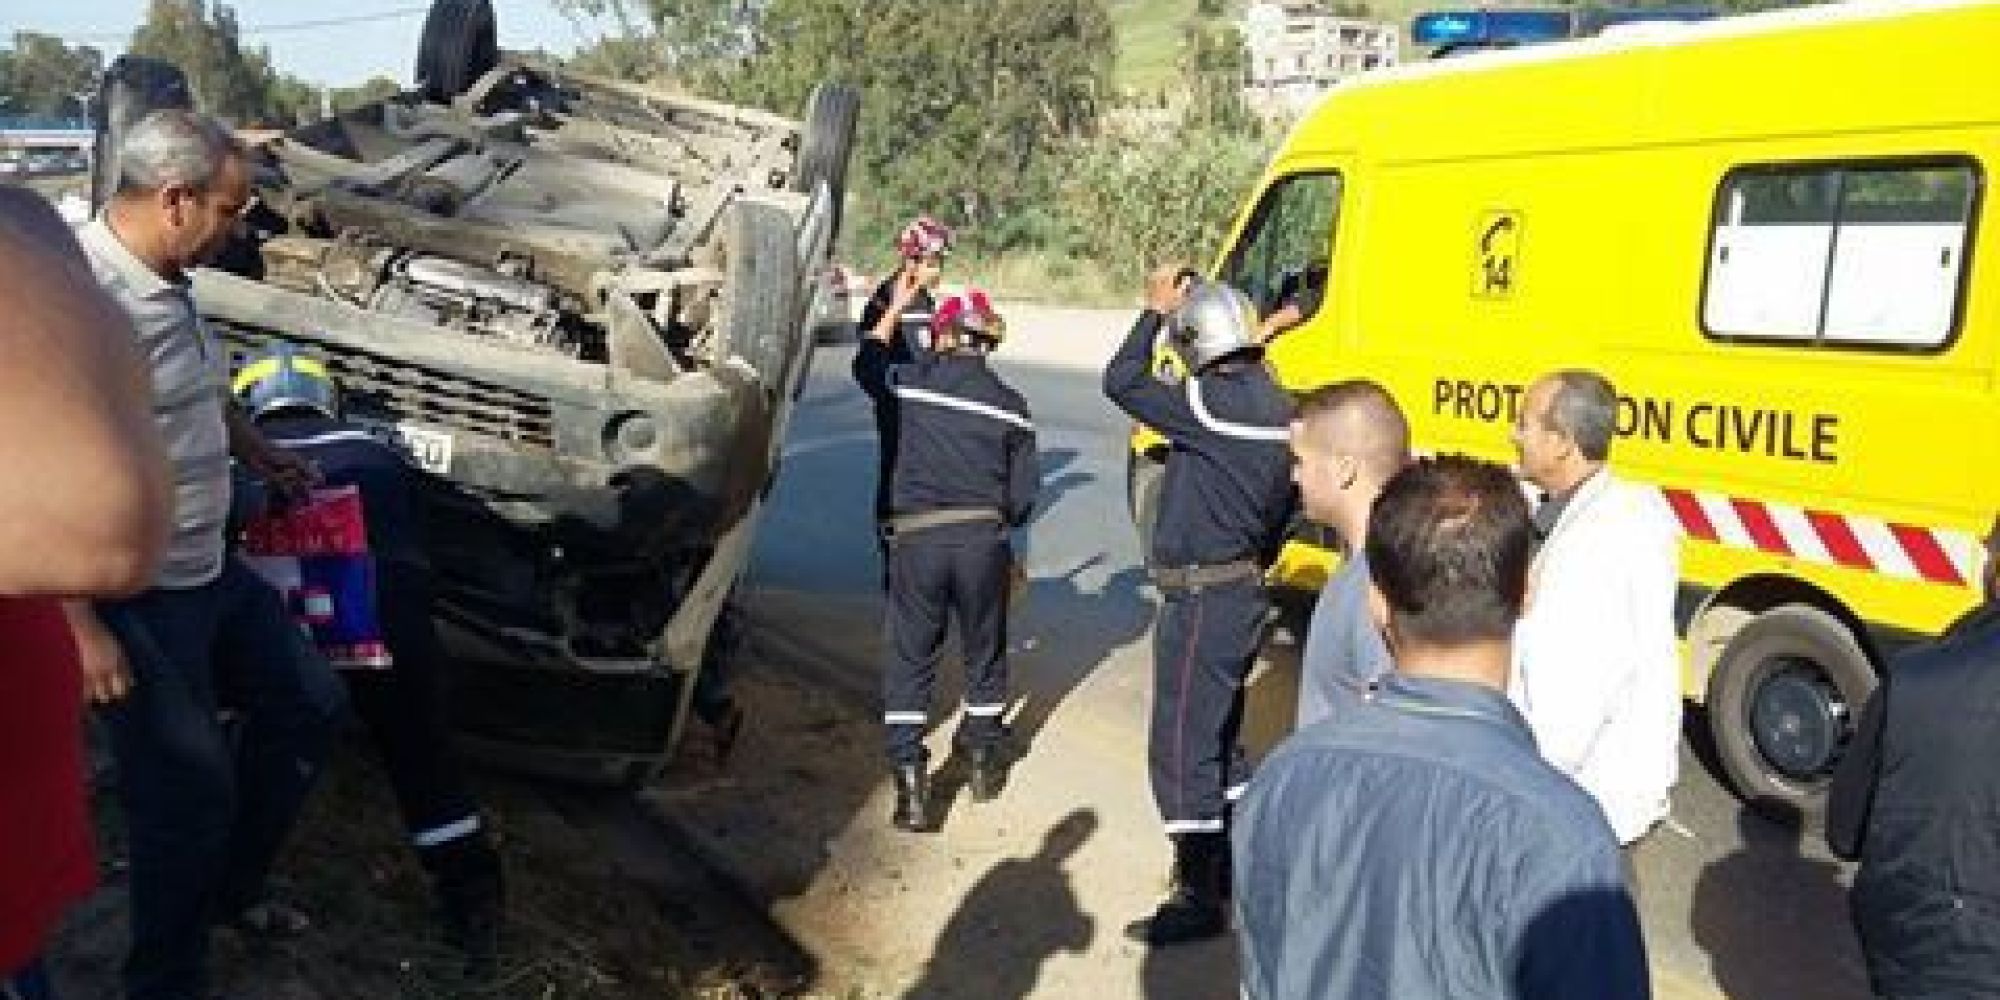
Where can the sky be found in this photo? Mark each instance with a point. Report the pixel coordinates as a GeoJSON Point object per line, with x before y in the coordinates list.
{"type": "Point", "coordinates": [336, 44]}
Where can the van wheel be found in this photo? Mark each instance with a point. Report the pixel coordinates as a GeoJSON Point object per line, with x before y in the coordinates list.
{"type": "Point", "coordinates": [134, 87]}
{"type": "Point", "coordinates": [827, 144]}
{"type": "Point", "coordinates": [1142, 497]}
{"type": "Point", "coordinates": [1782, 704]}
{"type": "Point", "coordinates": [760, 322]}
{"type": "Point", "coordinates": [458, 46]}
{"type": "Point", "coordinates": [761, 318]}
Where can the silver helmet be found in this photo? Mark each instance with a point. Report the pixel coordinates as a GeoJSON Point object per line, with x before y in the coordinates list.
{"type": "Point", "coordinates": [1213, 322]}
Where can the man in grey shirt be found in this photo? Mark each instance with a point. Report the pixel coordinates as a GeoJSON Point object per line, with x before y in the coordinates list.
{"type": "Point", "coordinates": [1348, 439]}
{"type": "Point", "coordinates": [205, 814]}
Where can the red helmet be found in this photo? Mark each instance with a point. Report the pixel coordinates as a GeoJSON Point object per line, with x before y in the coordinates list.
{"type": "Point", "coordinates": [922, 237]}
{"type": "Point", "coordinates": [971, 311]}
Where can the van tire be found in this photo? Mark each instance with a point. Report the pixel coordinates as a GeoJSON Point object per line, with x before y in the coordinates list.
{"type": "Point", "coordinates": [1783, 701]}
{"type": "Point", "coordinates": [1143, 475]}
{"type": "Point", "coordinates": [132, 88]}
{"type": "Point", "coordinates": [458, 46]}
{"type": "Point", "coordinates": [760, 320]}
{"type": "Point", "coordinates": [761, 316]}
{"type": "Point", "coordinates": [826, 146]}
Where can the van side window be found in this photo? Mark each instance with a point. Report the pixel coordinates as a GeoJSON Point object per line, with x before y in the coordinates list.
{"type": "Point", "coordinates": [1283, 259]}
{"type": "Point", "coordinates": [1869, 254]}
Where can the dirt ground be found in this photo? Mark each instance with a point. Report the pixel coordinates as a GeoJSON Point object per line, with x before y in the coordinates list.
{"type": "Point", "coordinates": [601, 907]}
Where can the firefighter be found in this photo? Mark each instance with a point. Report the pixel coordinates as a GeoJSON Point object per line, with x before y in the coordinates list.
{"type": "Point", "coordinates": [297, 405]}
{"type": "Point", "coordinates": [1224, 504]}
{"type": "Point", "coordinates": [895, 328]}
{"type": "Point", "coordinates": [967, 475]}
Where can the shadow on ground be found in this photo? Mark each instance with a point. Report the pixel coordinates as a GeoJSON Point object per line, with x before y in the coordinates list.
{"type": "Point", "coordinates": [1770, 915]}
{"type": "Point", "coordinates": [1020, 913]}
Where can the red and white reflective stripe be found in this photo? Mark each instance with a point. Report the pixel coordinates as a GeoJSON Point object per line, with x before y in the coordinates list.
{"type": "Point", "coordinates": [1903, 551]}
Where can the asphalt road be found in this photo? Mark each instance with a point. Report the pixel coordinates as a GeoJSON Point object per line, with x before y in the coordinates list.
{"type": "Point", "coordinates": [1732, 905]}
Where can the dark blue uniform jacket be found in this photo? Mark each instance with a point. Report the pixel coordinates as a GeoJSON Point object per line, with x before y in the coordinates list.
{"type": "Point", "coordinates": [872, 361]}
{"type": "Point", "coordinates": [1228, 488]}
{"type": "Point", "coordinates": [965, 439]}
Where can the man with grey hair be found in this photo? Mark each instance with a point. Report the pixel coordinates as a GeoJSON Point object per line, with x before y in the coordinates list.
{"type": "Point", "coordinates": [205, 813]}
{"type": "Point", "coordinates": [1597, 668]}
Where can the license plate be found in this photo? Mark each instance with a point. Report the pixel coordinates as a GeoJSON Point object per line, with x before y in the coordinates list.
{"type": "Point", "coordinates": [429, 450]}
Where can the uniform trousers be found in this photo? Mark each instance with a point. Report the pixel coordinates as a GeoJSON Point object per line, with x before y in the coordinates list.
{"type": "Point", "coordinates": [1204, 641]}
{"type": "Point", "coordinates": [935, 576]}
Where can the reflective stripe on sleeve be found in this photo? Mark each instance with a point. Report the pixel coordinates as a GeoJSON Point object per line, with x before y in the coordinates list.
{"type": "Point", "coordinates": [964, 405]}
{"type": "Point", "coordinates": [1245, 432]}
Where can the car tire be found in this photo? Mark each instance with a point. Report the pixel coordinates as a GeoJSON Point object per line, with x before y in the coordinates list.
{"type": "Point", "coordinates": [761, 319]}
{"type": "Point", "coordinates": [134, 87]}
{"type": "Point", "coordinates": [1142, 496]}
{"type": "Point", "coordinates": [458, 46]}
{"type": "Point", "coordinates": [1782, 704]}
{"type": "Point", "coordinates": [827, 145]}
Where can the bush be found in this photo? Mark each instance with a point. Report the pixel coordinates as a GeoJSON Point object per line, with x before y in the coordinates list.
{"type": "Point", "coordinates": [1094, 219]}
{"type": "Point", "coordinates": [1141, 203]}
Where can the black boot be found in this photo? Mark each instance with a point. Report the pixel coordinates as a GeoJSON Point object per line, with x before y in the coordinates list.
{"type": "Point", "coordinates": [472, 899]}
{"type": "Point", "coordinates": [989, 770]}
{"type": "Point", "coordinates": [913, 799]}
{"type": "Point", "coordinates": [1194, 909]}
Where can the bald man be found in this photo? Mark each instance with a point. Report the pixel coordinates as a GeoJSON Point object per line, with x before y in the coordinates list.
{"type": "Point", "coordinates": [1348, 440]}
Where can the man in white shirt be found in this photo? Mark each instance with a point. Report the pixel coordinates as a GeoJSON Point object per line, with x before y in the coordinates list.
{"type": "Point", "coordinates": [1597, 670]}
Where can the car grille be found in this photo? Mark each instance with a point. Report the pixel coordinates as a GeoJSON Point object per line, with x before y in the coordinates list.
{"type": "Point", "coordinates": [389, 388]}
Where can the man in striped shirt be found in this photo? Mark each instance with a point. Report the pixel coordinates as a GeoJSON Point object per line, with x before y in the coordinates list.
{"type": "Point", "coordinates": [206, 814]}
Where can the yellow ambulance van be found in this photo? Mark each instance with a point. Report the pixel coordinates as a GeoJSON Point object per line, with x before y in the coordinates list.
{"type": "Point", "coordinates": [1767, 231]}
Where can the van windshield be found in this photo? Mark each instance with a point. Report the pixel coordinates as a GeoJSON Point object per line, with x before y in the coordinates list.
{"type": "Point", "coordinates": [1284, 258]}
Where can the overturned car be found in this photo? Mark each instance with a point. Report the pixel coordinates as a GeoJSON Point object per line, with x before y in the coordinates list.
{"type": "Point", "coordinates": [582, 307]}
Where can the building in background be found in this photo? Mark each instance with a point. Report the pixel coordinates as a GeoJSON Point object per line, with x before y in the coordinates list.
{"type": "Point", "coordinates": [1297, 49]}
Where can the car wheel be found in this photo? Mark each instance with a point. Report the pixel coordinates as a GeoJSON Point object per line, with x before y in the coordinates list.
{"type": "Point", "coordinates": [827, 145]}
{"type": "Point", "coordinates": [1782, 704]}
{"type": "Point", "coordinates": [761, 322]}
{"type": "Point", "coordinates": [1142, 496]}
{"type": "Point", "coordinates": [458, 46]}
{"type": "Point", "coordinates": [134, 87]}
{"type": "Point", "coordinates": [762, 315]}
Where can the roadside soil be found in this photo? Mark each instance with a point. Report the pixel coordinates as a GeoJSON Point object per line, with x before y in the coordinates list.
{"type": "Point", "coordinates": [602, 905]}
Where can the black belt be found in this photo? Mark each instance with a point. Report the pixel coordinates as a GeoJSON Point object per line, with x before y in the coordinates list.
{"type": "Point", "coordinates": [1197, 576]}
{"type": "Point", "coordinates": [909, 524]}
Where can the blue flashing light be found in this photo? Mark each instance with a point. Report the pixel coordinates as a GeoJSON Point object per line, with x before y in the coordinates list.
{"type": "Point", "coordinates": [1447, 28]}
{"type": "Point", "coordinates": [1491, 27]}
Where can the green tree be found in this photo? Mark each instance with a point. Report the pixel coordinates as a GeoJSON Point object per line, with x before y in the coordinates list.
{"type": "Point", "coordinates": [656, 39]}
{"type": "Point", "coordinates": [964, 102]}
{"type": "Point", "coordinates": [40, 75]}
{"type": "Point", "coordinates": [291, 100]}
{"type": "Point", "coordinates": [228, 80]}
{"type": "Point", "coordinates": [377, 88]}
{"type": "Point", "coordinates": [1213, 64]}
